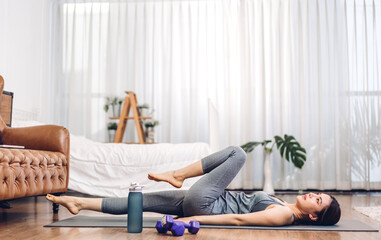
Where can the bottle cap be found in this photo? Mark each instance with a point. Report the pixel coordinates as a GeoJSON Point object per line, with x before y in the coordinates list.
{"type": "Point", "coordinates": [135, 187]}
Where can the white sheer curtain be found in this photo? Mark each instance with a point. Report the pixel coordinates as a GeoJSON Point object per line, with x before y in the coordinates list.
{"type": "Point", "coordinates": [271, 67]}
{"type": "Point", "coordinates": [364, 65]}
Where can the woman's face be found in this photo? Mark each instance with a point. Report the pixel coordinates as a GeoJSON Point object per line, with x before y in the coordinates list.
{"type": "Point", "coordinates": [311, 203]}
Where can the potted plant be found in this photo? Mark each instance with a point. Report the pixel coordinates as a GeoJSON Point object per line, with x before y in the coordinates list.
{"type": "Point", "coordinates": [289, 148]}
{"type": "Point", "coordinates": [116, 105]}
{"type": "Point", "coordinates": [111, 127]}
{"type": "Point", "coordinates": [143, 107]}
{"type": "Point", "coordinates": [149, 125]}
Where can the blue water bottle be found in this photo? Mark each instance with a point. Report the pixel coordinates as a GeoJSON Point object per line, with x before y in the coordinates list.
{"type": "Point", "coordinates": [135, 209]}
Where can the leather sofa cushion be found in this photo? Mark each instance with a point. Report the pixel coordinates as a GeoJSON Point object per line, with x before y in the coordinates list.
{"type": "Point", "coordinates": [25, 172]}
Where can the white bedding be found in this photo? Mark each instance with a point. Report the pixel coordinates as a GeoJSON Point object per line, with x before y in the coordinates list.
{"type": "Point", "coordinates": [107, 169]}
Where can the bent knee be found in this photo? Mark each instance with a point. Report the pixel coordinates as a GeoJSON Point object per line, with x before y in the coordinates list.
{"type": "Point", "coordinates": [238, 152]}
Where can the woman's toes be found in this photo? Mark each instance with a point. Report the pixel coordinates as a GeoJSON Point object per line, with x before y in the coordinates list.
{"type": "Point", "coordinates": [50, 197]}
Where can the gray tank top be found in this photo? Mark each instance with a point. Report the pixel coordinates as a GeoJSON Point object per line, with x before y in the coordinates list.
{"type": "Point", "coordinates": [240, 203]}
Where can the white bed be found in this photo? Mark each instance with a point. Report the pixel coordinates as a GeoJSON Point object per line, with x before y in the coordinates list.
{"type": "Point", "coordinates": [107, 169]}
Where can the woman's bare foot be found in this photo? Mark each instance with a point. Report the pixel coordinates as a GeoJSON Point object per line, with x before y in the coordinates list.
{"type": "Point", "coordinates": [73, 204]}
{"type": "Point", "coordinates": [169, 177]}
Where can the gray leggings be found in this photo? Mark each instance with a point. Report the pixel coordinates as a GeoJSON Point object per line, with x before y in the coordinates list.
{"type": "Point", "coordinates": [220, 168]}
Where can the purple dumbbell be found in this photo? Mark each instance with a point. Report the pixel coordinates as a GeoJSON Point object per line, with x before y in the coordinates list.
{"type": "Point", "coordinates": [176, 227]}
{"type": "Point", "coordinates": [160, 228]}
{"type": "Point", "coordinates": [193, 226]}
{"type": "Point", "coordinates": [166, 222]}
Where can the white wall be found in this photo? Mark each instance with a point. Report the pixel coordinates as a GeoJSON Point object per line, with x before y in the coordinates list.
{"type": "Point", "coordinates": [24, 51]}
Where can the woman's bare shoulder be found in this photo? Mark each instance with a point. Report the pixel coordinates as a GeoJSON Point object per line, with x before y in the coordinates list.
{"type": "Point", "coordinates": [275, 215]}
{"type": "Point", "coordinates": [283, 212]}
{"type": "Point", "coordinates": [282, 208]}
{"type": "Point", "coordinates": [287, 213]}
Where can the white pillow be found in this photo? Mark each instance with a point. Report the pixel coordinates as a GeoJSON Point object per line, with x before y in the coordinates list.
{"type": "Point", "coordinates": [19, 123]}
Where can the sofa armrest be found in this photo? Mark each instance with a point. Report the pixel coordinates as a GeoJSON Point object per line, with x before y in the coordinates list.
{"type": "Point", "coordinates": [45, 137]}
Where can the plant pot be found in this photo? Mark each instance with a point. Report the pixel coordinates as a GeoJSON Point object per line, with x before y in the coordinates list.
{"type": "Point", "coordinates": [114, 110]}
{"type": "Point", "coordinates": [150, 135]}
{"type": "Point", "coordinates": [111, 135]}
{"type": "Point", "coordinates": [118, 110]}
{"type": "Point", "coordinates": [268, 182]}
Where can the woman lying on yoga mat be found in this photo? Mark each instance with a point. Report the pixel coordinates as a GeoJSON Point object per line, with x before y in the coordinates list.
{"type": "Point", "coordinates": [208, 202]}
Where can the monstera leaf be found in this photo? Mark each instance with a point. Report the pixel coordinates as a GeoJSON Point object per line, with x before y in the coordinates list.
{"type": "Point", "coordinates": [249, 147]}
{"type": "Point", "coordinates": [290, 149]}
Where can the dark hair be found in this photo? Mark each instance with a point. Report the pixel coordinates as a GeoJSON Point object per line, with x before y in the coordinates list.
{"type": "Point", "coordinates": [330, 215]}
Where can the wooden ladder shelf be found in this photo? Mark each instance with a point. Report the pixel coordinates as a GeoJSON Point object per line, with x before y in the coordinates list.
{"type": "Point", "coordinates": [130, 102]}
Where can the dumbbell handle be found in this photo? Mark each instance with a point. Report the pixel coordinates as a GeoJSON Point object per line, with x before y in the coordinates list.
{"type": "Point", "coordinates": [186, 225]}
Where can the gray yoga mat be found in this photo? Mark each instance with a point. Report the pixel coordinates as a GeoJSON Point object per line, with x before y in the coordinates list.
{"type": "Point", "coordinates": [150, 222]}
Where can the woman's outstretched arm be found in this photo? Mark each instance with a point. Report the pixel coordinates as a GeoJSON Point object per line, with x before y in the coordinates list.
{"type": "Point", "coordinates": [276, 216]}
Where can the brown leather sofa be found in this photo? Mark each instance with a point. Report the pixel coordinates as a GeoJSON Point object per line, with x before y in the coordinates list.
{"type": "Point", "coordinates": [41, 168]}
